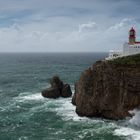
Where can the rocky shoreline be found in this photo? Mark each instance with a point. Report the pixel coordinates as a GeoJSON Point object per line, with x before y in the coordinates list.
{"type": "Point", "coordinates": [108, 89]}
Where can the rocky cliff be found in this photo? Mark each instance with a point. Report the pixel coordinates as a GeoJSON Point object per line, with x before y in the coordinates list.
{"type": "Point", "coordinates": [109, 89]}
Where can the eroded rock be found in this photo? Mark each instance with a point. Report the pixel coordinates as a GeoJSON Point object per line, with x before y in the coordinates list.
{"type": "Point", "coordinates": [66, 91]}
{"type": "Point", "coordinates": [57, 89]}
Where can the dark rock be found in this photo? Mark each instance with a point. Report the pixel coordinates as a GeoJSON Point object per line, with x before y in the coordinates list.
{"type": "Point", "coordinates": [108, 91]}
{"type": "Point", "coordinates": [51, 93]}
{"type": "Point", "coordinates": [56, 83]}
{"type": "Point", "coordinates": [57, 89]}
{"type": "Point", "coordinates": [66, 91]}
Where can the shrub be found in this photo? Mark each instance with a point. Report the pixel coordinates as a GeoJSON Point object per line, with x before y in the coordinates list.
{"type": "Point", "coordinates": [133, 60]}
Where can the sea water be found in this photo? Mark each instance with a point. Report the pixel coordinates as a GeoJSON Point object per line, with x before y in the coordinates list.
{"type": "Point", "coordinates": [26, 115]}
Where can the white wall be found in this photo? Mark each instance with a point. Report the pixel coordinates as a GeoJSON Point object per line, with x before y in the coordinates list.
{"type": "Point", "coordinates": [131, 49]}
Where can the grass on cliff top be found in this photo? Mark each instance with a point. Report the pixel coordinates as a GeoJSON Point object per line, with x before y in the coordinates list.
{"type": "Point", "coordinates": [133, 60]}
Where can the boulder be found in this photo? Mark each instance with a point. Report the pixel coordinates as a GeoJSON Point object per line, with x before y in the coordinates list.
{"type": "Point", "coordinates": [66, 91]}
{"type": "Point", "coordinates": [56, 83]}
{"type": "Point", "coordinates": [57, 89]}
{"type": "Point", "coordinates": [51, 93]}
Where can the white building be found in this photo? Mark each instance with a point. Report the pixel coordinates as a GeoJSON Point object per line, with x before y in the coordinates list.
{"type": "Point", "coordinates": [114, 54]}
{"type": "Point", "coordinates": [129, 48]}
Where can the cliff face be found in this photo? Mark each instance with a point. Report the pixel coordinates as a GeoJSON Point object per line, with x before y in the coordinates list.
{"type": "Point", "coordinates": [108, 90]}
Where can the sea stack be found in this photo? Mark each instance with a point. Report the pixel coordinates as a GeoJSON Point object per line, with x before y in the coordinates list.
{"type": "Point", "coordinates": [109, 89]}
{"type": "Point", "coordinates": [57, 89]}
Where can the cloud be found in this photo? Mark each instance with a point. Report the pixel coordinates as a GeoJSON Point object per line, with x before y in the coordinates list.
{"type": "Point", "coordinates": [62, 25]}
{"type": "Point", "coordinates": [123, 23]}
{"type": "Point", "coordinates": [91, 26]}
{"type": "Point", "coordinates": [36, 37]}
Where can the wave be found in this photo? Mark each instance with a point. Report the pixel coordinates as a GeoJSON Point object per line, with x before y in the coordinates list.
{"type": "Point", "coordinates": [72, 88]}
{"type": "Point", "coordinates": [135, 120]}
{"type": "Point", "coordinates": [64, 108]}
{"type": "Point", "coordinates": [129, 133]}
{"type": "Point", "coordinates": [27, 96]}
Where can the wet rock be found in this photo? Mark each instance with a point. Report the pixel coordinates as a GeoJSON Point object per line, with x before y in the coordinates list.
{"type": "Point", "coordinates": [74, 99]}
{"type": "Point", "coordinates": [66, 91]}
{"type": "Point", "coordinates": [56, 83]}
{"type": "Point", "coordinates": [57, 89]}
{"type": "Point", "coordinates": [51, 93]}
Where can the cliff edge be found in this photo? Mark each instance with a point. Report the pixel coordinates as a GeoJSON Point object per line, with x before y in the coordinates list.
{"type": "Point", "coordinates": [109, 89]}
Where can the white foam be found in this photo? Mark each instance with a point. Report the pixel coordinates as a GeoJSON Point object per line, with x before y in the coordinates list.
{"type": "Point", "coordinates": [29, 96]}
{"type": "Point", "coordinates": [62, 106]}
{"type": "Point", "coordinates": [135, 120]}
{"type": "Point", "coordinates": [66, 109]}
{"type": "Point", "coordinates": [23, 138]}
{"type": "Point", "coordinates": [129, 133]}
{"type": "Point", "coordinates": [73, 91]}
{"type": "Point", "coordinates": [72, 88]}
{"type": "Point", "coordinates": [2, 109]}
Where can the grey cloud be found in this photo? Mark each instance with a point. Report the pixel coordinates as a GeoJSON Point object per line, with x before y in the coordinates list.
{"type": "Point", "coordinates": [66, 25]}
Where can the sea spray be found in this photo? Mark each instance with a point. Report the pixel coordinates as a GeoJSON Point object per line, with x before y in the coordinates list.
{"type": "Point", "coordinates": [128, 133]}
{"type": "Point", "coordinates": [130, 127]}
{"type": "Point", "coordinates": [135, 120]}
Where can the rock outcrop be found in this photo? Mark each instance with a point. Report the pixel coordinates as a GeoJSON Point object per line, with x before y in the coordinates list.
{"type": "Point", "coordinates": [108, 89]}
{"type": "Point", "coordinates": [66, 91]}
{"type": "Point", "coordinates": [57, 89]}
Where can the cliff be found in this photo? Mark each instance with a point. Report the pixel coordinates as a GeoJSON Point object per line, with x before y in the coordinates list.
{"type": "Point", "coordinates": [109, 89]}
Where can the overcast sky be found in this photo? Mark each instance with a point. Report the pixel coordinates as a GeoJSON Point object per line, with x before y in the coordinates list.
{"type": "Point", "coordinates": [66, 25]}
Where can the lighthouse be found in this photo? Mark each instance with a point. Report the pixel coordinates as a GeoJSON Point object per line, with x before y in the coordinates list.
{"type": "Point", "coordinates": [129, 48]}
{"type": "Point", "coordinates": [132, 36]}
{"type": "Point", "coordinates": [133, 46]}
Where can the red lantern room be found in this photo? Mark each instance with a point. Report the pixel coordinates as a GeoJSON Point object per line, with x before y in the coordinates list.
{"type": "Point", "coordinates": [132, 36]}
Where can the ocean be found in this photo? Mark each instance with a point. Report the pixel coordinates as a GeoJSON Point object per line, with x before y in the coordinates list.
{"type": "Point", "coordinates": [26, 115]}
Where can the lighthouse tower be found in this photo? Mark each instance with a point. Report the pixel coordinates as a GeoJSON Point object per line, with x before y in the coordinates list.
{"type": "Point", "coordinates": [133, 46]}
{"type": "Point", "coordinates": [132, 36]}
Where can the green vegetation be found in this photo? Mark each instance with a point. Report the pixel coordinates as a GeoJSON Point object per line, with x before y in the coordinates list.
{"type": "Point", "coordinates": [133, 60]}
